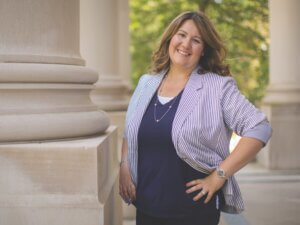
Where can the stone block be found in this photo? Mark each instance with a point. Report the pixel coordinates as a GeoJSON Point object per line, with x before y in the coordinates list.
{"type": "Point", "coordinates": [61, 182]}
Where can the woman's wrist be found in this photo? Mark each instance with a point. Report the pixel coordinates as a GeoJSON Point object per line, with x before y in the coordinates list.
{"type": "Point", "coordinates": [124, 161]}
{"type": "Point", "coordinates": [221, 173]}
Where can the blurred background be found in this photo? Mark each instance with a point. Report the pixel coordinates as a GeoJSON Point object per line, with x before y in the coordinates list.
{"type": "Point", "coordinates": [243, 25]}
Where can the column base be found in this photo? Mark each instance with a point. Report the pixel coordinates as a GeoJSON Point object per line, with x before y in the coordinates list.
{"type": "Point", "coordinates": [62, 182]}
{"type": "Point", "coordinates": [47, 101]}
{"type": "Point", "coordinates": [111, 94]}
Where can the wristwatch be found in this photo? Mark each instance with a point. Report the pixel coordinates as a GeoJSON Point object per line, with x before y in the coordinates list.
{"type": "Point", "coordinates": [221, 173]}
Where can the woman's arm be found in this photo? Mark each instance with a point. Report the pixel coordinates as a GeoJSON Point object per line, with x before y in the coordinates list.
{"type": "Point", "coordinates": [243, 153]}
{"type": "Point", "coordinates": [247, 121]}
{"type": "Point", "coordinates": [126, 186]}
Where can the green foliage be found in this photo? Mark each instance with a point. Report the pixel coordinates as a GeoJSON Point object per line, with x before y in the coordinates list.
{"type": "Point", "coordinates": [243, 25]}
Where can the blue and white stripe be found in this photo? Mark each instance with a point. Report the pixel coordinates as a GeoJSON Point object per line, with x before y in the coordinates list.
{"type": "Point", "coordinates": [211, 107]}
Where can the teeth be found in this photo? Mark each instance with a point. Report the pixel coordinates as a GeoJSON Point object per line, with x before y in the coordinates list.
{"type": "Point", "coordinates": [183, 53]}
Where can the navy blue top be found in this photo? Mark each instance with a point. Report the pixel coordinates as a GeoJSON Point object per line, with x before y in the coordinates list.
{"type": "Point", "coordinates": [162, 175]}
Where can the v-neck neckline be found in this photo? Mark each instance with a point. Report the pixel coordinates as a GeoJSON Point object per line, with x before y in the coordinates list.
{"type": "Point", "coordinates": [169, 102]}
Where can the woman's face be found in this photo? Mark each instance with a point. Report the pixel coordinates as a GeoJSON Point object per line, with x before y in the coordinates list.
{"type": "Point", "coordinates": [186, 46]}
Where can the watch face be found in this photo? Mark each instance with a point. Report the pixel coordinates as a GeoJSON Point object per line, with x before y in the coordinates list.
{"type": "Point", "coordinates": [221, 173]}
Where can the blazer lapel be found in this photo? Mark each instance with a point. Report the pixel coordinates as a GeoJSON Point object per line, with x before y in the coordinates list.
{"type": "Point", "coordinates": [188, 101]}
{"type": "Point", "coordinates": [146, 96]}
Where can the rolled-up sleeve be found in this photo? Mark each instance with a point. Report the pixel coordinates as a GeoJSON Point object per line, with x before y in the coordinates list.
{"type": "Point", "coordinates": [241, 116]}
{"type": "Point", "coordinates": [262, 131]}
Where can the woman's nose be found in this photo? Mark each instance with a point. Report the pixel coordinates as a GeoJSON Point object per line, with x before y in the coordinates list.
{"type": "Point", "coordinates": [186, 43]}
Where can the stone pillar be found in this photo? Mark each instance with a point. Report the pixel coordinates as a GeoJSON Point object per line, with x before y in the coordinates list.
{"type": "Point", "coordinates": [58, 160]}
{"type": "Point", "coordinates": [44, 90]}
{"type": "Point", "coordinates": [282, 102]}
{"type": "Point", "coordinates": [104, 43]}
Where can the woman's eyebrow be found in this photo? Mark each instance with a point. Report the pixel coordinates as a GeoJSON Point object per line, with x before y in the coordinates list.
{"type": "Point", "coordinates": [187, 33]}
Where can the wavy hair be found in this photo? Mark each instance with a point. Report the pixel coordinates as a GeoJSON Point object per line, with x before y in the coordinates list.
{"type": "Point", "coordinates": [214, 49]}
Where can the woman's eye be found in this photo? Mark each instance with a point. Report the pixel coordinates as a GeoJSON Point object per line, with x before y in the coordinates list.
{"type": "Point", "coordinates": [197, 41]}
{"type": "Point", "coordinates": [181, 34]}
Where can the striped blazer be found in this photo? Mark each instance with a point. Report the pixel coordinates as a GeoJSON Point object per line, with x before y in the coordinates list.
{"type": "Point", "coordinates": [210, 108]}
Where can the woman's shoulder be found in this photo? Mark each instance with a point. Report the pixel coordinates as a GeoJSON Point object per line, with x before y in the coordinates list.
{"type": "Point", "coordinates": [214, 79]}
{"type": "Point", "coordinates": [210, 77]}
{"type": "Point", "coordinates": [143, 80]}
{"type": "Point", "coordinates": [145, 77]}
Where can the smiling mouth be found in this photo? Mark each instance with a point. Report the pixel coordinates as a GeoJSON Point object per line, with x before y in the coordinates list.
{"type": "Point", "coordinates": [183, 52]}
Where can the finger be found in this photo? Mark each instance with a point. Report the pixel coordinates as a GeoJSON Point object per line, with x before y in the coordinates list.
{"type": "Point", "coordinates": [199, 195]}
{"type": "Point", "coordinates": [194, 188]}
{"type": "Point", "coordinates": [120, 189]}
{"type": "Point", "coordinates": [209, 196]}
{"type": "Point", "coordinates": [193, 182]}
{"type": "Point", "coordinates": [132, 191]}
{"type": "Point", "coordinates": [122, 193]}
{"type": "Point", "coordinates": [122, 196]}
{"type": "Point", "coordinates": [131, 194]}
{"type": "Point", "coordinates": [126, 193]}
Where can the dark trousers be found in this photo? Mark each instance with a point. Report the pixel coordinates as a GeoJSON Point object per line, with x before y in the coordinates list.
{"type": "Point", "coordinates": [207, 219]}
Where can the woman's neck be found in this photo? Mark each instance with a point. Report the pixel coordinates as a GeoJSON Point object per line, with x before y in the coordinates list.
{"type": "Point", "coordinates": [176, 73]}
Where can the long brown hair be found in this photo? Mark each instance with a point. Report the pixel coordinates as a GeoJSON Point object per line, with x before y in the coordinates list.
{"type": "Point", "coordinates": [214, 49]}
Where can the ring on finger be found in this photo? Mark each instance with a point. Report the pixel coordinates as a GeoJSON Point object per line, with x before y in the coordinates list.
{"type": "Point", "coordinates": [129, 201]}
{"type": "Point", "coordinates": [203, 192]}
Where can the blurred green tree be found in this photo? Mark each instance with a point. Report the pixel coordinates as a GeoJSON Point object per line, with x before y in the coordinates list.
{"type": "Point", "coordinates": [243, 25]}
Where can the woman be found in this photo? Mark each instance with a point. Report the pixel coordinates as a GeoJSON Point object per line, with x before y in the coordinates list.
{"type": "Point", "coordinates": [176, 167]}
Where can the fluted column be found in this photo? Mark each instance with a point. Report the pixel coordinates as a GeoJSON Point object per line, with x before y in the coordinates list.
{"type": "Point", "coordinates": [282, 102]}
{"type": "Point", "coordinates": [44, 90]}
{"type": "Point", "coordinates": [105, 46]}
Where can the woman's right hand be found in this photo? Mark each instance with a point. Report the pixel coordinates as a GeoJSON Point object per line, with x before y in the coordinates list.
{"type": "Point", "coordinates": [126, 186]}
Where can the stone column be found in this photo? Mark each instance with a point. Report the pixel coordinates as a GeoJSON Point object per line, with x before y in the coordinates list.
{"type": "Point", "coordinates": [44, 90]}
{"type": "Point", "coordinates": [58, 160]}
{"type": "Point", "coordinates": [104, 43]}
{"type": "Point", "coordinates": [282, 102]}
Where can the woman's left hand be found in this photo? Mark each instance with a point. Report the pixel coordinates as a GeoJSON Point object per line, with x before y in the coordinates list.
{"type": "Point", "coordinates": [207, 186]}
